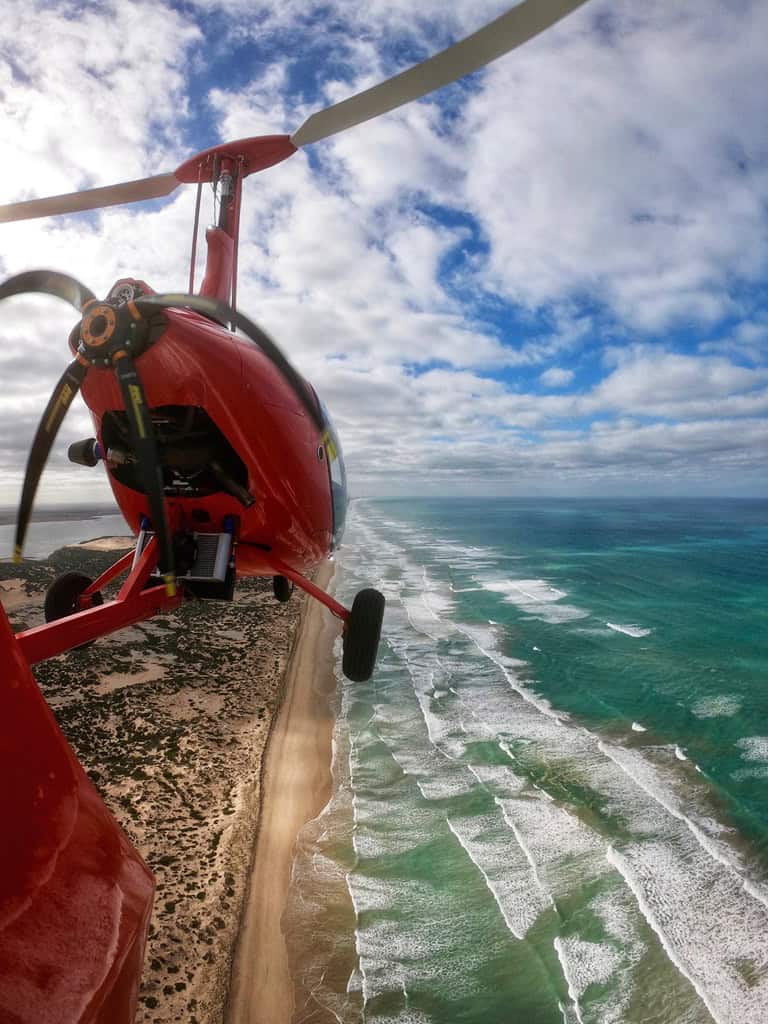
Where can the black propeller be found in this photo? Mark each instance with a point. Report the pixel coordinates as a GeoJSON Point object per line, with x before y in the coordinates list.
{"type": "Point", "coordinates": [58, 404]}
{"type": "Point", "coordinates": [110, 336]}
{"type": "Point", "coordinates": [49, 282]}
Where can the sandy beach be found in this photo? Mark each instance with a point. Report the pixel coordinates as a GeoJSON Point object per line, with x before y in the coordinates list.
{"type": "Point", "coordinates": [171, 720]}
{"type": "Point", "coordinates": [296, 785]}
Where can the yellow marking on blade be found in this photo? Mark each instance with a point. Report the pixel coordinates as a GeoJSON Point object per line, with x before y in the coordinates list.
{"type": "Point", "coordinates": [170, 584]}
{"type": "Point", "coordinates": [17, 559]}
{"type": "Point", "coordinates": [330, 447]}
{"type": "Point", "coordinates": [135, 396]}
{"type": "Point", "coordinates": [64, 398]}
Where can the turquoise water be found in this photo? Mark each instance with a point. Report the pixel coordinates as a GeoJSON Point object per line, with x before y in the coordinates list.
{"type": "Point", "coordinates": [550, 802]}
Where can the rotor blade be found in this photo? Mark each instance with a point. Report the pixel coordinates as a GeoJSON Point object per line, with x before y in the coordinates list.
{"type": "Point", "coordinates": [225, 314]}
{"type": "Point", "coordinates": [145, 447]}
{"type": "Point", "coordinates": [59, 402]}
{"type": "Point", "coordinates": [50, 282]}
{"type": "Point", "coordinates": [92, 198]}
{"type": "Point", "coordinates": [512, 29]}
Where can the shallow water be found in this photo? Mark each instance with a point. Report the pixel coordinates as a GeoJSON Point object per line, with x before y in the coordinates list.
{"type": "Point", "coordinates": [45, 537]}
{"type": "Point", "coordinates": [550, 800]}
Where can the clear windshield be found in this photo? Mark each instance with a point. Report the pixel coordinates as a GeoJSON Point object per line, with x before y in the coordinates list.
{"type": "Point", "coordinates": [337, 476]}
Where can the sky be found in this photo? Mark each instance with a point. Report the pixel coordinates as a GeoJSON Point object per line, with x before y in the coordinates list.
{"type": "Point", "coordinates": [548, 279]}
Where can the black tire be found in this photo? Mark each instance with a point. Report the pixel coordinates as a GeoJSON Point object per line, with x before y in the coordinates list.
{"type": "Point", "coordinates": [61, 597]}
{"type": "Point", "coordinates": [282, 588]}
{"type": "Point", "coordinates": [360, 641]}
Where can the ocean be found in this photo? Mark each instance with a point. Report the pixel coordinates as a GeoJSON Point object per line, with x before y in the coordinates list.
{"type": "Point", "coordinates": [54, 528]}
{"type": "Point", "coordinates": [550, 802]}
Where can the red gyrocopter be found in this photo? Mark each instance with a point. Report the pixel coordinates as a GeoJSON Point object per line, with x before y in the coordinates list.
{"type": "Point", "coordinates": [224, 463]}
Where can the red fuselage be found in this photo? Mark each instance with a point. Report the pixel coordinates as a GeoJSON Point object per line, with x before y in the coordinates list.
{"type": "Point", "coordinates": [197, 363]}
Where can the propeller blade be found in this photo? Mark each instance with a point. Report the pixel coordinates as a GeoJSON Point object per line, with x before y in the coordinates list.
{"type": "Point", "coordinates": [50, 282]}
{"type": "Point", "coordinates": [512, 29]}
{"type": "Point", "coordinates": [223, 313]}
{"type": "Point", "coordinates": [61, 399]}
{"type": "Point", "coordinates": [143, 439]}
{"type": "Point", "coordinates": [91, 199]}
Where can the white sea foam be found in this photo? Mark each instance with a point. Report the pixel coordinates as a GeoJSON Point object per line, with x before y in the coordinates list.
{"type": "Point", "coordinates": [560, 848]}
{"type": "Point", "coordinates": [636, 727]}
{"type": "Point", "coordinates": [498, 778]}
{"type": "Point", "coordinates": [573, 990]}
{"type": "Point", "coordinates": [686, 903]}
{"type": "Point", "coordinates": [537, 598]}
{"type": "Point", "coordinates": [408, 1016]}
{"type": "Point", "coordinates": [634, 631]}
{"type": "Point", "coordinates": [487, 646]}
{"type": "Point", "coordinates": [585, 963]}
{"type": "Point", "coordinates": [754, 748]}
{"type": "Point", "coordinates": [679, 754]}
{"type": "Point", "coordinates": [505, 871]}
{"type": "Point", "coordinates": [723, 705]}
{"type": "Point", "coordinates": [645, 775]}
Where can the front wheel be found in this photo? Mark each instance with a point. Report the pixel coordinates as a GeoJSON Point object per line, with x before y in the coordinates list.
{"type": "Point", "coordinates": [282, 588]}
{"type": "Point", "coordinates": [61, 598]}
{"type": "Point", "coordinates": [360, 640]}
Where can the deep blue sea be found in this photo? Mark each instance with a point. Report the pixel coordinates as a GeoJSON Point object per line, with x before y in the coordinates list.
{"type": "Point", "coordinates": [551, 801]}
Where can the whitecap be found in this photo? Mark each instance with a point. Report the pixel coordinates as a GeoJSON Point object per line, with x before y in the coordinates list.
{"type": "Point", "coordinates": [636, 727]}
{"type": "Point", "coordinates": [755, 748]}
{"type": "Point", "coordinates": [633, 631]}
{"type": "Point", "coordinates": [537, 598]}
{"type": "Point", "coordinates": [723, 705]}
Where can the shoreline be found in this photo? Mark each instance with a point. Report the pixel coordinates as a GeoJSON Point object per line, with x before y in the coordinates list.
{"type": "Point", "coordinates": [296, 784]}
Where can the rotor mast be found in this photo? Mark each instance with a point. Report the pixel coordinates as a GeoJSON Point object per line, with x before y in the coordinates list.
{"type": "Point", "coordinates": [225, 166]}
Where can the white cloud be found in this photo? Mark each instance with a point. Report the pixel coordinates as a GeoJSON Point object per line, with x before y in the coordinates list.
{"type": "Point", "coordinates": [618, 185]}
{"type": "Point", "coordinates": [556, 377]}
{"type": "Point", "coordinates": [92, 95]}
{"type": "Point", "coordinates": [682, 387]}
{"type": "Point", "coordinates": [634, 170]}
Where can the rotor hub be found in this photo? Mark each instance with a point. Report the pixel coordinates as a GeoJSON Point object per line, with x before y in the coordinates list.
{"type": "Point", "coordinates": [110, 331]}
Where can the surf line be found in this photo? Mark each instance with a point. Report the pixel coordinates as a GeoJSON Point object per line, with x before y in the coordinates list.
{"type": "Point", "coordinates": [710, 846]}
{"type": "Point", "coordinates": [527, 854]}
{"type": "Point", "coordinates": [518, 935]}
{"type": "Point", "coordinates": [620, 864]}
{"type": "Point", "coordinates": [565, 968]}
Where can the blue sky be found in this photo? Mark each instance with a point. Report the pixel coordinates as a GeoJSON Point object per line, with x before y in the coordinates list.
{"type": "Point", "coordinates": [547, 279]}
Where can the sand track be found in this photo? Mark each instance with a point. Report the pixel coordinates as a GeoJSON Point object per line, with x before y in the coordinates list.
{"type": "Point", "coordinates": [296, 785]}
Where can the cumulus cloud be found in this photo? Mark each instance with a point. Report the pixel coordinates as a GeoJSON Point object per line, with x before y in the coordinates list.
{"type": "Point", "coordinates": [556, 377]}
{"type": "Point", "coordinates": [586, 217]}
{"type": "Point", "coordinates": [628, 163]}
